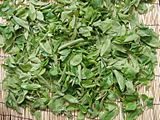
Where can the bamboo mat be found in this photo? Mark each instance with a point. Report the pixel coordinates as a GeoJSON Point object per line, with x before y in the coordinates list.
{"type": "Point", "coordinates": [151, 19]}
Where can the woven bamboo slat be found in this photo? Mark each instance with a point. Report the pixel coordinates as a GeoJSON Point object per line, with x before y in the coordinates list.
{"type": "Point", "coordinates": [151, 19]}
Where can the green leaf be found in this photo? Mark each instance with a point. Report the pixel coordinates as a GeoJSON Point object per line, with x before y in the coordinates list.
{"type": "Point", "coordinates": [82, 55]}
{"type": "Point", "coordinates": [149, 102]}
{"type": "Point", "coordinates": [88, 84]}
{"type": "Point", "coordinates": [32, 12]}
{"type": "Point", "coordinates": [64, 54]}
{"type": "Point", "coordinates": [26, 34]}
{"type": "Point", "coordinates": [79, 72]}
{"type": "Point", "coordinates": [85, 31]}
{"type": "Point", "coordinates": [106, 47]}
{"type": "Point", "coordinates": [37, 115]}
{"type": "Point", "coordinates": [40, 103]}
{"type": "Point", "coordinates": [11, 102]}
{"type": "Point", "coordinates": [133, 115]}
{"type": "Point", "coordinates": [135, 63]}
{"type": "Point", "coordinates": [21, 22]}
{"type": "Point", "coordinates": [65, 15]}
{"type": "Point", "coordinates": [130, 72]}
{"type": "Point", "coordinates": [87, 74]}
{"type": "Point", "coordinates": [110, 106]}
{"type": "Point", "coordinates": [130, 86]}
{"type": "Point", "coordinates": [73, 22]}
{"type": "Point", "coordinates": [83, 109]}
{"type": "Point", "coordinates": [120, 80]}
{"type": "Point", "coordinates": [72, 107]}
{"type": "Point", "coordinates": [54, 71]}
{"type": "Point", "coordinates": [56, 105]}
{"type": "Point", "coordinates": [25, 67]}
{"type": "Point", "coordinates": [104, 25]}
{"type": "Point", "coordinates": [21, 97]}
{"type": "Point", "coordinates": [108, 115]}
{"type": "Point", "coordinates": [143, 33]}
{"type": "Point", "coordinates": [81, 116]}
{"type": "Point", "coordinates": [71, 43]}
{"type": "Point", "coordinates": [1, 41]}
{"type": "Point", "coordinates": [96, 3]}
{"type": "Point", "coordinates": [152, 41]}
{"type": "Point", "coordinates": [112, 96]}
{"type": "Point", "coordinates": [131, 106]}
{"type": "Point", "coordinates": [40, 15]}
{"type": "Point", "coordinates": [76, 59]}
{"type": "Point", "coordinates": [27, 86]}
{"type": "Point", "coordinates": [39, 3]}
{"type": "Point", "coordinates": [46, 47]}
{"type": "Point", "coordinates": [122, 30]}
{"type": "Point", "coordinates": [89, 13]}
{"type": "Point", "coordinates": [142, 8]}
{"type": "Point", "coordinates": [132, 37]}
{"type": "Point", "coordinates": [70, 98]}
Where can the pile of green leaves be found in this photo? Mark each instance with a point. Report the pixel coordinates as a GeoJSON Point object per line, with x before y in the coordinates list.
{"type": "Point", "coordinates": [78, 55]}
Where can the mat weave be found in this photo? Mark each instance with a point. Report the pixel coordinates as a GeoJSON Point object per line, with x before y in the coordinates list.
{"type": "Point", "coordinates": [151, 19]}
